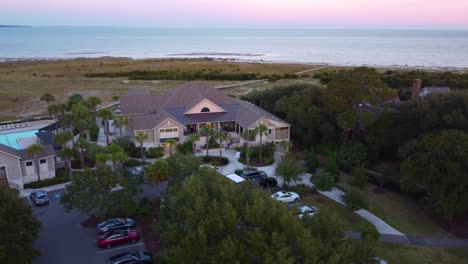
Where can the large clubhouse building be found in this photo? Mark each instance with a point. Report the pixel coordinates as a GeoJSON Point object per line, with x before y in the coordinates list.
{"type": "Point", "coordinates": [191, 106]}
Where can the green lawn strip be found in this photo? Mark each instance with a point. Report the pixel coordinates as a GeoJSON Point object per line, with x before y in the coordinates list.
{"type": "Point", "coordinates": [351, 220]}
{"type": "Point", "coordinates": [408, 254]}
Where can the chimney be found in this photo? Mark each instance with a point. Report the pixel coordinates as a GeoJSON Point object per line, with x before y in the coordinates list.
{"type": "Point", "coordinates": [416, 89]}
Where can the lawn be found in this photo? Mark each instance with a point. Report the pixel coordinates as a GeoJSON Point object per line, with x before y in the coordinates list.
{"type": "Point", "coordinates": [351, 220]}
{"type": "Point", "coordinates": [406, 254]}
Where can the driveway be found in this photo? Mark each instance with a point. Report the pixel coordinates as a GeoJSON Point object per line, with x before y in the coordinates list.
{"type": "Point", "coordinates": [64, 240]}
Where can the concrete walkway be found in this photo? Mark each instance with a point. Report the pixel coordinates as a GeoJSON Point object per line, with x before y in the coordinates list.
{"type": "Point", "coordinates": [27, 192]}
{"type": "Point", "coordinates": [382, 227]}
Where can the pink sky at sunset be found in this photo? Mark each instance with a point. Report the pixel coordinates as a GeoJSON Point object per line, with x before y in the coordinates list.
{"type": "Point", "coordinates": [239, 13]}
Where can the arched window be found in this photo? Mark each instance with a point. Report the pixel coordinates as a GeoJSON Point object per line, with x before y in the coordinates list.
{"type": "Point", "coordinates": [205, 110]}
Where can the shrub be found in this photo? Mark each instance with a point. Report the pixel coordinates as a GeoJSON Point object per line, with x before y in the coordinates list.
{"type": "Point", "coordinates": [312, 162]}
{"type": "Point", "coordinates": [359, 177]}
{"type": "Point", "coordinates": [332, 168]}
{"type": "Point", "coordinates": [185, 148]}
{"type": "Point", "coordinates": [59, 178]}
{"type": "Point", "coordinates": [94, 133]}
{"type": "Point", "coordinates": [130, 163]}
{"type": "Point", "coordinates": [323, 180]}
{"type": "Point", "coordinates": [216, 161]}
{"type": "Point", "coordinates": [238, 171]}
{"type": "Point", "coordinates": [353, 199]}
{"type": "Point", "coordinates": [351, 154]}
{"type": "Point", "coordinates": [268, 151]}
{"type": "Point", "coordinates": [154, 153]}
{"type": "Point", "coordinates": [129, 147]}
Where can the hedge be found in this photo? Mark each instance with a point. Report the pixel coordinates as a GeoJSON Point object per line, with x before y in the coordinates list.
{"type": "Point", "coordinates": [48, 182]}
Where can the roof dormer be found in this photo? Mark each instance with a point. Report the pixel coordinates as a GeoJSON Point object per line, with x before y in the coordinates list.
{"type": "Point", "coordinates": [205, 106]}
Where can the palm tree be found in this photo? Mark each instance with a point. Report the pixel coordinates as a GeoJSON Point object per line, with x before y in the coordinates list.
{"type": "Point", "coordinates": [55, 110]}
{"type": "Point", "coordinates": [246, 136]}
{"type": "Point", "coordinates": [67, 122]}
{"type": "Point", "coordinates": [34, 150]}
{"type": "Point", "coordinates": [221, 137]}
{"type": "Point", "coordinates": [93, 102]}
{"type": "Point", "coordinates": [66, 154]}
{"type": "Point", "coordinates": [82, 118]}
{"type": "Point", "coordinates": [170, 142]}
{"type": "Point", "coordinates": [62, 139]}
{"type": "Point", "coordinates": [82, 144]}
{"type": "Point", "coordinates": [192, 138]}
{"type": "Point", "coordinates": [106, 115]}
{"type": "Point", "coordinates": [207, 132]}
{"type": "Point", "coordinates": [140, 137]}
{"type": "Point", "coordinates": [159, 172]}
{"type": "Point", "coordinates": [261, 130]}
{"type": "Point", "coordinates": [47, 97]}
{"type": "Point", "coordinates": [287, 145]}
{"type": "Point", "coordinates": [120, 121]}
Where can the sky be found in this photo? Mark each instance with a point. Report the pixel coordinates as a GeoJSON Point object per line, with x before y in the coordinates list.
{"type": "Point", "coordinates": [398, 14]}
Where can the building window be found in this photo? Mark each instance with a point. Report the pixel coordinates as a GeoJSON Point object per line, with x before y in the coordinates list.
{"type": "Point", "coordinates": [269, 131]}
{"type": "Point", "coordinates": [205, 110]}
{"type": "Point", "coordinates": [168, 130]}
{"type": "Point", "coordinates": [42, 161]}
{"type": "Point", "coordinates": [29, 163]}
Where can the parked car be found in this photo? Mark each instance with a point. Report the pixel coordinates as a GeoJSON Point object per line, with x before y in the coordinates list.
{"type": "Point", "coordinates": [135, 171]}
{"type": "Point", "coordinates": [300, 210]}
{"type": "Point", "coordinates": [286, 197]}
{"type": "Point", "coordinates": [115, 223]}
{"type": "Point", "coordinates": [264, 182]}
{"type": "Point", "coordinates": [251, 173]}
{"type": "Point", "coordinates": [138, 257]}
{"type": "Point", "coordinates": [117, 237]}
{"type": "Point", "coordinates": [39, 197]}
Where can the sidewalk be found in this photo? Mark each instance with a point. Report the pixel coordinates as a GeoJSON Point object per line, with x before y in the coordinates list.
{"type": "Point", "coordinates": [27, 192]}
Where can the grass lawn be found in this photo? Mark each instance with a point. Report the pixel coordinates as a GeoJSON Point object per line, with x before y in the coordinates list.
{"type": "Point", "coordinates": [22, 83]}
{"type": "Point", "coordinates": [406, 254]}
{"type": "Point", "coordinates": [351, 220]}
{"type": "Point", "coordinates": [401, 212]}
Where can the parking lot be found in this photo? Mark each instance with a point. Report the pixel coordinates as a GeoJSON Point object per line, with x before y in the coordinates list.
{"type": "Point", "coordinates": [63, 240]}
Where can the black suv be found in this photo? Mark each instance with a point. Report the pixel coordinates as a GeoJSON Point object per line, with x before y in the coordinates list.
{"type": "Point", "coordinates": [248, 174]}
{"type": "Point", "coordinates": [131, 257]}
{"type": "Point", "coordinates": [264, 182]}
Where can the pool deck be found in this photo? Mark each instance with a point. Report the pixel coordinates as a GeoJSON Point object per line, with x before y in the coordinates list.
{"type": "Point", "coordinates": [35, 125]}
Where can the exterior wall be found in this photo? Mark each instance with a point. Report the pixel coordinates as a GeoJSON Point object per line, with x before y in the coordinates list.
{"type": "Point", "coordinates": [168, 124]}
{"type": "Point", "coordinates": [13, 166]}
{"type": "Point", "coordinates": [214, 108]}
{"type": "Point", "coordinates": [46, 172]}
{"type": "Point", "coordinates": [270, 136]}
{"type": "Point", "coordinates": [149, 142]}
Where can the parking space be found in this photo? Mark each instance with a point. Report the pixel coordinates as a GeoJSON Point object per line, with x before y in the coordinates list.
{"type": "Point", "coordinates": [64, 240]}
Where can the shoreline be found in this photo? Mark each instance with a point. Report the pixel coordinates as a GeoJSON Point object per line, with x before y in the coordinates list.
{"type": "Point", "coordinates": [237, 58]}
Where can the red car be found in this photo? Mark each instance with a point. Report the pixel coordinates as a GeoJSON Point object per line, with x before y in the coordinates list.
{"type": "Point", "coordinates": [117, 237]}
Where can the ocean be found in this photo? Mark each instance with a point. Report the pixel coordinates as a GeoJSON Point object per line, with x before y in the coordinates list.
{"type": "Point", "coordinates": [412, 48]}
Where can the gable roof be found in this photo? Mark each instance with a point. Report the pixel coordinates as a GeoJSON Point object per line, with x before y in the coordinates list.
{"type": "Point", "coordinates": [47, 151]}
{"type": "Point", "coordinates": [147, 111]}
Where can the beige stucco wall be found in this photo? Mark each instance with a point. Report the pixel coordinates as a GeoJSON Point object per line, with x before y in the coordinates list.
{"type": "Point", "coordinates": [45, 173]}
{"type": "Point", "coordinates": [168, 124]}
{"type": "Point", "coordinates": [12, 164]}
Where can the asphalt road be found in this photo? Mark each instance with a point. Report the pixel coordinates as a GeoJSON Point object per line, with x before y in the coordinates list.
{"type": "Point", "coordinates": [63, 240]}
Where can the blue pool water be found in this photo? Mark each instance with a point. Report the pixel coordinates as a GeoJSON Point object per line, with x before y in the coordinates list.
{"type": "Point", "coordinates": [10, 139]}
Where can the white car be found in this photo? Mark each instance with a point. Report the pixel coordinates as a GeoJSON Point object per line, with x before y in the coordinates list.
{"type": "Point", "coordinates": [286, 197]}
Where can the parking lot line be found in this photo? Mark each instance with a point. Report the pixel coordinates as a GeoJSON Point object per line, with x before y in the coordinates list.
{"type": "Point", "coordinates": [118, 248]}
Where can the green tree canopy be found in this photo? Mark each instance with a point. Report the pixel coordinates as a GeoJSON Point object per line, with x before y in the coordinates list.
{"type": "Point", "coordinates": [159, 172]}
{"type": "Point", "coordinates": [19, 228]}
{"type": "Point", "coordinates": [290, 169]}
{"type": "Point", "coordinates": [94, 192]}
{"type": "Point", "coordinates": [211, 220]}
{"type": "Point", "coordinates": [437, 165]}
{"type": "Point", "coordinates": [323, 180]}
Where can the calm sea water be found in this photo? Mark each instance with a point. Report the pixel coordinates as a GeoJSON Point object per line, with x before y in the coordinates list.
{"type": "Point", "coordinates": [345, 47]}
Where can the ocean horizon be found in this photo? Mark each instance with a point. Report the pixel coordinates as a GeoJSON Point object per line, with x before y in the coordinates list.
{"type": "Point", "coordinates": [353, 47]}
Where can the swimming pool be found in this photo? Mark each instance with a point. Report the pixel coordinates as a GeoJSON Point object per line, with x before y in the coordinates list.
{"type": "Point", "coordinates": [10, 139]}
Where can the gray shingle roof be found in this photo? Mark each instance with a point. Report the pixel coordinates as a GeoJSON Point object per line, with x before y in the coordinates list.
{"type": "Point", "coordinates": [23, 154]}
{"type": "Point", "coordinates": [146, 111]}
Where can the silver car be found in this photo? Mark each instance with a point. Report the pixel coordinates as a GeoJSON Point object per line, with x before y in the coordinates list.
{"type": "Point", "coordinates": [39, 197]}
